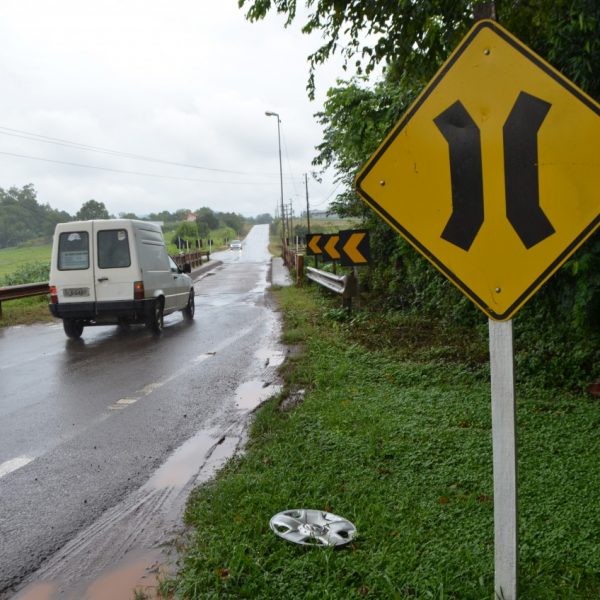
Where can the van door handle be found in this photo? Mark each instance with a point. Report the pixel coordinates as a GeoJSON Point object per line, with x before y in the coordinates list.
{"type": "Point", "coordinates": [102, 278]}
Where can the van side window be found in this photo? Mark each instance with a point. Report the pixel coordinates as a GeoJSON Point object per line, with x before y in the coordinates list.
{"type": "Point", "coordinates": [154, 257]}
{"type": "Point", "coordinates": [73, 251]}
{"type": "Point", "coordinates": [113, 249]}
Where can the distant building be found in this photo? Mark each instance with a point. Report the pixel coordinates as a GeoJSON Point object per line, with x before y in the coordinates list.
{"type": "Point", "coordinates": [191, 217]}
{"type": "Point", "coordinates": [320, 214]}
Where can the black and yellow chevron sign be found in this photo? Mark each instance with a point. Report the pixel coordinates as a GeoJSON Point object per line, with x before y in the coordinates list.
{"type": "Point", "coordinates": [312, 244]}
{"type": "Point", "coordinates": [329, 245]}
{"type": "Point", "coordinates": [354, 248]}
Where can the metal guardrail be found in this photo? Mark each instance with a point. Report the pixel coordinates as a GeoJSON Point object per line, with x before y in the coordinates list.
{"type": "Point", "coordinates": [346, 285]}
{"type": "Point", "coordinates": [193, 258]}
{"type": "Point", "coordinates": [13, 292]}
{"type": "Point", "coordinates": [26, 290]}
{"type": "Point", "coordinates": [335, 283]}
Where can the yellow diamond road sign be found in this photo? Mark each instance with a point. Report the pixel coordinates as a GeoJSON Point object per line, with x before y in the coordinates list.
{"type": "Point", "coordinates": [493, 173]}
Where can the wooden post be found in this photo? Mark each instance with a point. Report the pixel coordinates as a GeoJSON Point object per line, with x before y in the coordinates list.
{"type": "Point", "coordinates": [299, 268]}
{"type": "Point", "coordinates": [504, 441]}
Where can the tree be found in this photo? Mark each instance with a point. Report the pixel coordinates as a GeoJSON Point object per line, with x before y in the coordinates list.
{"type": "Point", "coordinates": [92, 210]}
{"type": "Point", "coordinates": [233, 220]}
{"type": "Point", "coordinates": [206, 215]}
{"type": "Point", "coordinates": [165, 216]}
{"type": "Point", "coordinates": [413, 37]}
{"type": "Point", "coordinates": [187, 231]}
{"type": "Point", "coordinates": [22, 218]}
{"type": "Point", "coordinates": [263, 218]}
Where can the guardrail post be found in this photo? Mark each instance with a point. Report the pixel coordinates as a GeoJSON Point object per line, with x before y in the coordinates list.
{"type": "Point", "coordinates": [299, 268]}
{"type": "Point", "coordinates": [357, 286]}
{"type": "Point", "coordinates": [350, 291]}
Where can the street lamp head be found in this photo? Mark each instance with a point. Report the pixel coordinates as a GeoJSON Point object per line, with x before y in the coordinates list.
{"type": "Point", "coordinates": [271, 114]}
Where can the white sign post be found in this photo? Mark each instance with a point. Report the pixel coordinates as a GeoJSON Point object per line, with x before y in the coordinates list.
{"type": "Point", "coordinates": [504, 441]}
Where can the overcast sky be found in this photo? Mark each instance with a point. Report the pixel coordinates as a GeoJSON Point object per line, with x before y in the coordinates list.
{"type": "Point", "coordinates": [185, 81]}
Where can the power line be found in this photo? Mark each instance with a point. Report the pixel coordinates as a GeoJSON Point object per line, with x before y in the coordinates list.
{"type": "Point", "coordinates": [329, 196]}
{"type": "Point", "coordinates": [36, 137]}
{"type": "Point", "coordinates": [72, 164]}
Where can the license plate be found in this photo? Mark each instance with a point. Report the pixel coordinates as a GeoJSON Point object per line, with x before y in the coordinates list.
{"type": "Point", "coordinates": [76, 292]}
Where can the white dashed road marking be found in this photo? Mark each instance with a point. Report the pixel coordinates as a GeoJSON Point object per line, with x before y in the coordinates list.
{"type": "Point", "coordinates": [151, 387]}
{"type": "Point", "coordinates": [15, 463]}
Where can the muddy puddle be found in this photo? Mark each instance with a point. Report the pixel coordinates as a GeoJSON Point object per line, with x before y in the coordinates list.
{"type": "Point", "coordinates": [253, 393]}
{"type": "Point", "coordinates": [139, 573]}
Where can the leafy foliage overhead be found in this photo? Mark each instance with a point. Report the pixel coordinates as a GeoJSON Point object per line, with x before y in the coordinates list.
{"type": "Point", "coordinates": [415, 36]}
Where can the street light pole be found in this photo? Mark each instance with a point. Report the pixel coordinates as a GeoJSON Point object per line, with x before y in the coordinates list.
{"type": "Point", "coordinates": [274, 114]}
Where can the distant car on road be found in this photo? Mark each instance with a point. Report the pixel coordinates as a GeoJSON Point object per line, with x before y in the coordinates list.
{"type": "Point", "coordinates": [235, 245]}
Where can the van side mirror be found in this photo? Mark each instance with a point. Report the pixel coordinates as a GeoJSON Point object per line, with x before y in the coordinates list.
{"type": "Point", "coordinates": [187, 268]}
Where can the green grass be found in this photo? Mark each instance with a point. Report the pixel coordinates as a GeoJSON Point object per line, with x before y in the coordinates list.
{"type": "Point", "coordinates": [331, 225]}
{"type": "Point", "coordinates": [401, 446]}
{"type": "Point", "coordinates": [11, 259]}
{"type": "Point", "coordinates": [218, 236]}
{"type": "Point", "coordinates": [25, 311]}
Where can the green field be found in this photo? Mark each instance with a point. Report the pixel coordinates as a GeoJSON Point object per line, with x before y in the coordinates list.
{"type": "Point", "coordinates": [330, 225]}
{"type": "Point", "coordinates": [11, 259]}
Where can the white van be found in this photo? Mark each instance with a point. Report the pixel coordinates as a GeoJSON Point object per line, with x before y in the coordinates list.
{"type": "Point", "coordinates": [115, 271]}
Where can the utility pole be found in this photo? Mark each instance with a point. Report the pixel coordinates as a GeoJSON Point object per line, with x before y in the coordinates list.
{"type": "Point", "coordinates": [274, 114]}
{"type": "Point", "coordinates": [307, 207]}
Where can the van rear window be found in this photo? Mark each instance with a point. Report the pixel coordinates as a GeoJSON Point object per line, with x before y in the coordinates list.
{"type": "Point", "coordinates": [73, 251]}
{"type": "Point", "coordinates": [113, 249]}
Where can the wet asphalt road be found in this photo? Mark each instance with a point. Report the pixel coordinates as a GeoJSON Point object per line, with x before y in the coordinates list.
{"type": "Point", "coordinates": [83, 424]}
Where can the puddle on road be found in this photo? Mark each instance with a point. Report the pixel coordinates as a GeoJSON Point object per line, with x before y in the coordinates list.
{"type": "Point", "coordinates": [39, 591]}
{"type": "Point", "coordinates": [190, 458]}
{"type": "Point", "coordinates": [270, 357]}
{"type": "Point", "coordinates": [252, 393]}
{"type": "Point", "coordinates": [134, 573]}
{"type": "Point", "coordinates": [137, 572]}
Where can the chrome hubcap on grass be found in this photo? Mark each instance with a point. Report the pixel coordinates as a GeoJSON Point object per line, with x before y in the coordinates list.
{"type": "Point", "coordinates": [312, 527]}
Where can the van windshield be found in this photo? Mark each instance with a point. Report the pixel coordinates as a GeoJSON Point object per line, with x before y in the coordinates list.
{"type": "Point", "coordinates": [113, 249]}
{"type": "Point", "coordinates": [73, 251]}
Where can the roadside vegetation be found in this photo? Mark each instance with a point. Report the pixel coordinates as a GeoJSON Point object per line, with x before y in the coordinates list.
{"type": "Point", "coordinates": [394, 434]}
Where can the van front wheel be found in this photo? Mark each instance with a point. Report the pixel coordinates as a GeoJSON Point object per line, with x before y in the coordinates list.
{"type": "Point", "coordinates": [73, 328]}
{"type": "Point", "coordinates": [156, 319]}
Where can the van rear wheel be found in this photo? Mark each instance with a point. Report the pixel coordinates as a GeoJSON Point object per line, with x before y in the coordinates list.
{"type": "Point", "coordinates": [190, 309]}
{"type": "Point", "coordinates": [73, 328]}
{"type": "Point", "coordinates": [155, 321]}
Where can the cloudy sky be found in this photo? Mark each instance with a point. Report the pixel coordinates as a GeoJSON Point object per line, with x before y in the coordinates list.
{"type": "Point", "coordinates": [177, 81]}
